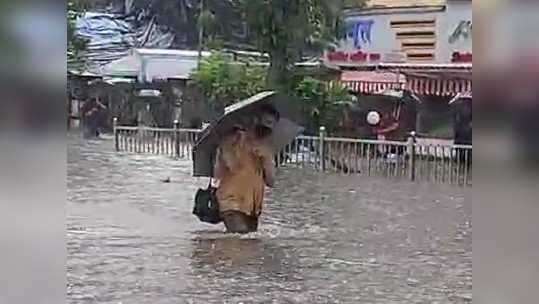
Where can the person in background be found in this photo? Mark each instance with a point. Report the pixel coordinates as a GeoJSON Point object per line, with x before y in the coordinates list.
{"type": "Point", "coordinates": [92, 113]}
{"type": "Point", "coordinates": [244, 167]}
{"type": "Point", "coordinates": [388, 129]}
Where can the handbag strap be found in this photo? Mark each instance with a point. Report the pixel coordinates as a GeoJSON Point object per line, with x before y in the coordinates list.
{"type": "Point", "coordinates": [212, 169]}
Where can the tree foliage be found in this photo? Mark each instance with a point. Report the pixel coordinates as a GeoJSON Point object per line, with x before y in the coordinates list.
{"type": "Point", "coordinates": [224, 82]}
{"type": "Point", "coordinates": [221, 19]}
{"type": "Point", "coordinates": [354, 3]}
{"type": "Point", "coordinates": [233, 23]}
{"type": "Point", "coordinates": [75, 44]}
{"type": "Point", "coordinates": [321, 104]}
{"type": "Point", "coordinates": [285, 28]}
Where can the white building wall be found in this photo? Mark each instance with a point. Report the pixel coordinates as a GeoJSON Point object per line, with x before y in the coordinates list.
{"type": "Point", "coordinates": [457, 12]}
{"type": "Point", "coordinates": [381, 38]}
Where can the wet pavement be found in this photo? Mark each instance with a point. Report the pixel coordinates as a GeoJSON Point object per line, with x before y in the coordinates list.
{"type": "Point", "coordinates": [323, 238]}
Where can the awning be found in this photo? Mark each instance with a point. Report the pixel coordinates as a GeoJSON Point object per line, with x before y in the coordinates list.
{"type": "Point", "coordinates": [371, 82]}
{"type": "Point", "coordinates": [401, 67]}
{"type": "Point", "coordinates": [438, 87]}
{"type": "Point", "coordinates": [367, 87]}
{"type": "Point", "coordinates": [419, 78]}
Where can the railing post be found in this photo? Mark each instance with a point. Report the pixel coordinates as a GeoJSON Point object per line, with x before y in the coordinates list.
{"type": "Point", "coordinates": [321, 148]}
{"type": "Point", "coordinates": [116, 135]}
{"type": "Point", "coordinates": [411, 155]}
{"type": "Point", "coordinates": [140, 134]}
{"type": "Point", "coordinates": [176, 138]}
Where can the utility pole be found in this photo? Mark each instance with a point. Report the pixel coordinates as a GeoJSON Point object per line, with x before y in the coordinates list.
{"type": "Point", "coordinates": [200, 33]}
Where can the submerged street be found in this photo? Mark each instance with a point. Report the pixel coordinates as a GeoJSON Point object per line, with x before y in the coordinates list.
{"type": "Point", "coordinates": [323, 238]}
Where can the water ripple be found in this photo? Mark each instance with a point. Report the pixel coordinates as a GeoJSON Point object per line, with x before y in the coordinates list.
{"type": "Point", "coordinates": [323, 238]}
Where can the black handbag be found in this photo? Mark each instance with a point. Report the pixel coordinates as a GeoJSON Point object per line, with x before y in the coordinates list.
{"type": "Point", "coordinates": [206, 205]}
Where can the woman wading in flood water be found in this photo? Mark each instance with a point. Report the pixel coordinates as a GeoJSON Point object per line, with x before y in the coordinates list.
{"type": "Point", "coordinates": [244, 167]}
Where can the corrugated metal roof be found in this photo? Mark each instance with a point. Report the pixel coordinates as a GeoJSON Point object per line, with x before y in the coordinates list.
{"type": "Point", "coordinates": [157, 67]}
{"type": "Point", "coordinates": [170, 68]}
{"type": "Point", "coordinates": [126, 66]}
{"type": "Point", "coordinates": [404, 3]}
{"type": "Point", "coordinates": [170, 53]}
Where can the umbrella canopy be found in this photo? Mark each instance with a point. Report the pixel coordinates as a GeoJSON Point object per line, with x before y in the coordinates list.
{"type": "Point", "coordinates": [283, 132]}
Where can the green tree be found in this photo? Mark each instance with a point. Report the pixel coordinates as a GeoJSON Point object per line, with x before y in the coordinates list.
{"type": "Point", "coordinates": [353, 3]}
{"type": "Point", "coordinates": [221, 20]}
{"type": "Point", "coordinates": [321, 105]}
{"type": "Point", "coordinates": [224, 82]}
{"type": "Point", "coordinates": [75, 44]}
{"type": "Point", "coordinates": [284, 28]}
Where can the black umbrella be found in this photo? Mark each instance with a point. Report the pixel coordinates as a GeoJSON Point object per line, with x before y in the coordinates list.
{"type": "Point", "coordinates": [283, 133]}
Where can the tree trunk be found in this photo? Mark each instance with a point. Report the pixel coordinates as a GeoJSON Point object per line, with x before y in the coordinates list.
{"type": "Point", "coordinates": [279, 70]}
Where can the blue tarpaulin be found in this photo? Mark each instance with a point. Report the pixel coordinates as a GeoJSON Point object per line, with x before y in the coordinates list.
{"type": "Point", "coordinates": [112, 36]}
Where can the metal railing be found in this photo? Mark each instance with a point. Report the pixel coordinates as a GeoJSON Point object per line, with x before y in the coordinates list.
{"type": "Point", "coordinates": [176, 142]}
{"type": "Point", "coordinates": [412, 160]}
{"type": "Point", "coordinates": [445, 163]}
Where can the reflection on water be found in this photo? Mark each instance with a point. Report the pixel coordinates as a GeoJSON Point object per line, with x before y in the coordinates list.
{"type": "Point", "coordinates": [323, 238]}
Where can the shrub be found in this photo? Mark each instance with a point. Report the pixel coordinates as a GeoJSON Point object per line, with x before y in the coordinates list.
{"type": "Point", "coordinates": [224, 82]}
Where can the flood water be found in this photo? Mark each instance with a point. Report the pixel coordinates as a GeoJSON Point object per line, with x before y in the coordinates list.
{"type": "Point", "coordinates": [323, 238]}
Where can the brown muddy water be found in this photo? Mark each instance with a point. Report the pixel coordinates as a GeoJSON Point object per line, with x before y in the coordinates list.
{"type": "Point", "coordinates": [324, 238]}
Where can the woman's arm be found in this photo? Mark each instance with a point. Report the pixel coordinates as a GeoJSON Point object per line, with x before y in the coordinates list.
{"type": "Point", "coordinates": [269, 171]}
{"type": "Point", "coordinates": [388, 129]}
{"type": "Point", "coordinates": [268, 166]}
